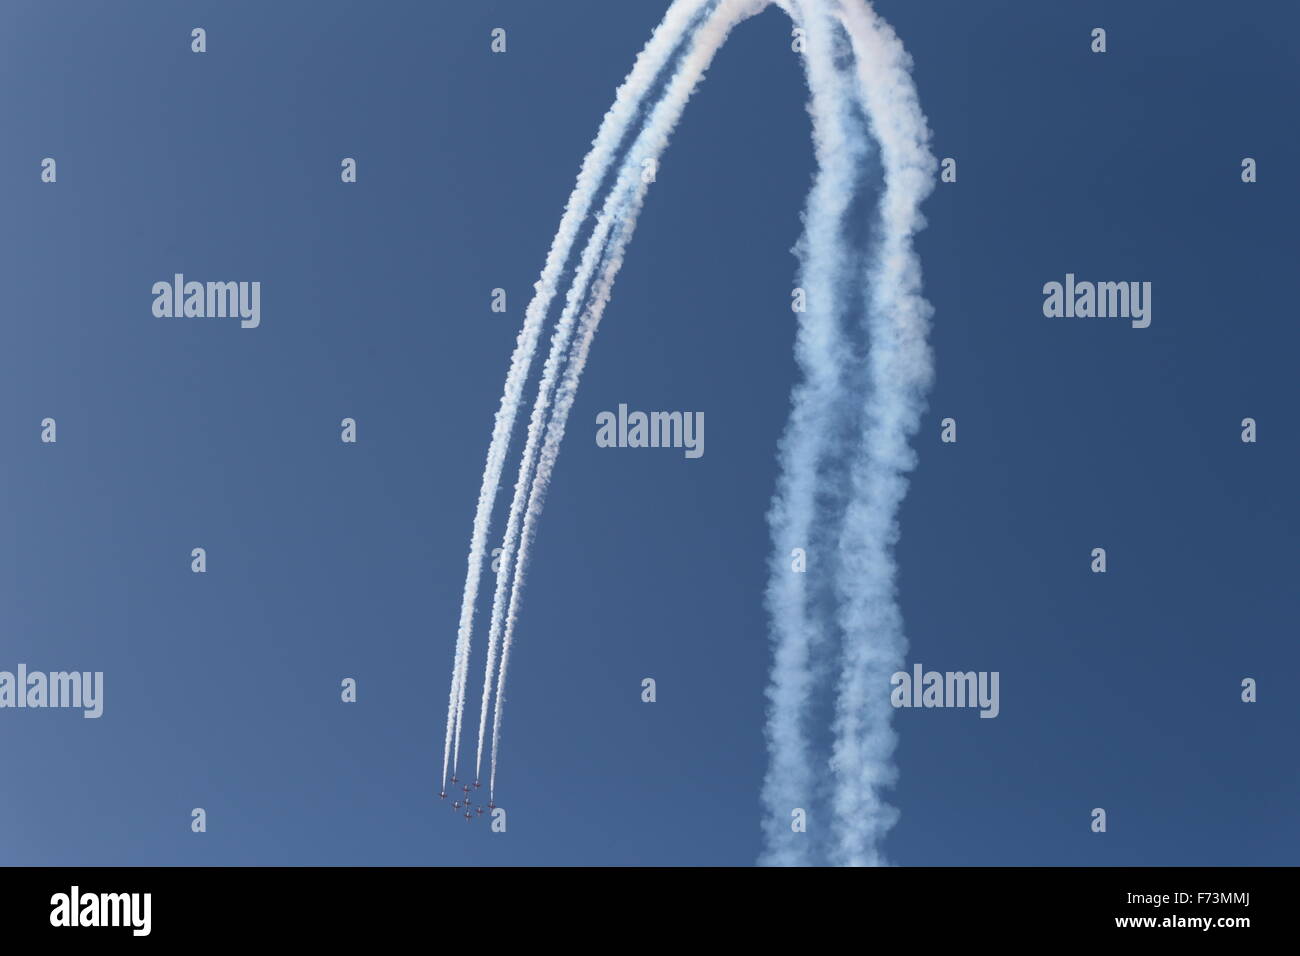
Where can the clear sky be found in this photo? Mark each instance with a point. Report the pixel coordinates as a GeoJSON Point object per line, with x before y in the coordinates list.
{"type": "Point", "coordinates": [328, 560]}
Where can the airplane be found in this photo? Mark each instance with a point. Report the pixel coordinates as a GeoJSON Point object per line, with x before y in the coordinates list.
{"type": "Point", "coordinates": [477, 785]}
{"type": "Point", "coordinates": [479, 811]}
{"type": "Point", "coordinates": [491, 805]}
{"type": "Point", "coordinates": [454, 780]}
{"type": "Point", "coordinates": [457, 805]}
{"type": "Point", "coordinates": [442, 795]}
{"type": "Point", "coordinates": [468, 816]}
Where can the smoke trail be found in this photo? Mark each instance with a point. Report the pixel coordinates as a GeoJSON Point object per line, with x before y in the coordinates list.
{"type": "Point", "coordinates": [595, 165]}
{"type": "Point", "coordinates": [897, 375]}
{"type": "Point", "coordinates": [550, 372]}
{"type": "Point", "coordinates": [616, 223]}
{"type": "Point", "coordinates": [560, 339]}
{"type": "Point", "coordinates": [820, 351]}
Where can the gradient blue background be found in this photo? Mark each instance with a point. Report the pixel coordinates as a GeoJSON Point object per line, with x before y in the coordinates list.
{"type": "Point", "coordinates": [329, 560]}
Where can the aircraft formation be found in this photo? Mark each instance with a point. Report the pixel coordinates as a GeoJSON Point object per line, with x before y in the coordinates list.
{"type": "Point", "coordinates": [464, 802]}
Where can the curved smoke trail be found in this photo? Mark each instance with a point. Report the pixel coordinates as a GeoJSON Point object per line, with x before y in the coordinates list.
{"type": "Point", "coordinates": [614, 226]}
{"type": "Point", "coordinates": [893, 380]}
{"type": "Point", "coordinates": [650, 62]}
{"type": "Point", "coordinates": [550, 372]}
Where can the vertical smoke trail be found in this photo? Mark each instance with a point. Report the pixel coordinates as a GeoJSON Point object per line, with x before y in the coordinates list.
{"type": "Point", "coordinates": [616, 222]}
{"type": "Point", "coordinates": [595, 165]}
{"type": "Point", "coordinates": [820, 351]}
{"type": "Point", "coordinates": [897, 375]}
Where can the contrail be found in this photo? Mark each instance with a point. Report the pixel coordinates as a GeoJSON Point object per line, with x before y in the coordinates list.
{"type": "Point", "coordinates": [560, 339]}
{"type": "Point", "coordinates": [820, 351]}
{"type": "Point", "coordinates": [850, 416]}
{"type": "Point", "coordinates": [595, 165]}
{"type": "Point", "coordinates": [616, 222]}
{"type": "Point", "coordinates": [550, 372]}
{"type": "Point", "coordinates": [897, 375]}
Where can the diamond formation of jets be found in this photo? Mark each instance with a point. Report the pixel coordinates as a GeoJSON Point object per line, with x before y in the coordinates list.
{"type": "Point", "coordinates": [465, 803]}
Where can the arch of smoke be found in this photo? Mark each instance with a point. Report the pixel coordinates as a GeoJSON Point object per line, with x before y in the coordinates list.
{"type": "Point", "coordinates": [897, 374]}
{"type": "Point", "coordinates": [613, 127]}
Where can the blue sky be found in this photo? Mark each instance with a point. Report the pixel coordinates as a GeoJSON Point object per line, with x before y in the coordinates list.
{"type": "Point", "coordinates": [328, 560]}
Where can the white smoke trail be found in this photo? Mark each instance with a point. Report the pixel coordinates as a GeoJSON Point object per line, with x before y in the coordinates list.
{"type": "Point", "coordinates": [550, 373]}
{"type": "Point", "coordinates": [897, 375]}
{"type": "Point", "coordinates": [595, 165]}
{"type": "Point", "coordinates": [616, 223]}
{"type": "Point", "coordinates": [560, 339]}
{"type": "Point", "coordinates": [820, 350]}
